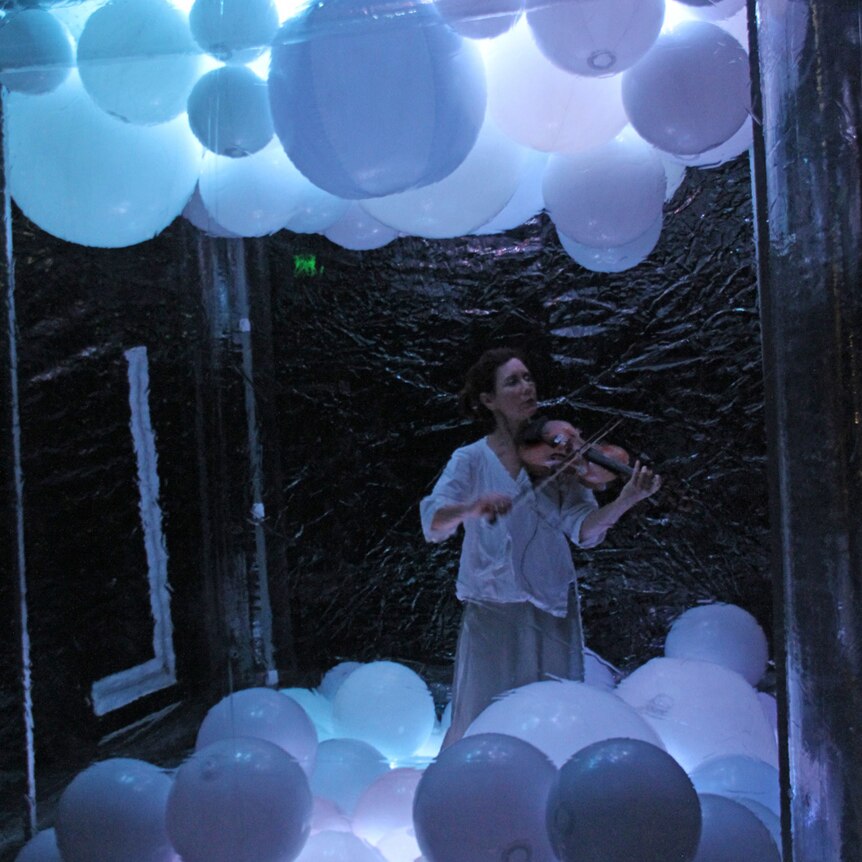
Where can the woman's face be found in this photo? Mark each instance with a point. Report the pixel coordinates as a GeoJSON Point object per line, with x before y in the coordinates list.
{"type": "Point", "coordinates": [514, 395]}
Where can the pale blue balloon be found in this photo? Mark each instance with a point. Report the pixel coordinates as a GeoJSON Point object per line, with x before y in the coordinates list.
{"type": "Point", "coordinates": [195, 212]}
{"type": "Point", "coordinates": [526, 202]}
{"type": "Point", "coordinates": [92, 179]}
{"type": "Point", "coordinates": [138, 60]}
{"type": "Point", "coordinates": [229, 111]}
{"type": "Point", "coordinates": [732, 832]}
{"type": "Point", "coordinates": [358, 230]}
{"type": "Point", "coordinates": [35, 52]}
{"type": "Point", "coordinates": [114, 811]}
{"type": "Point", "coordinates": [480, 19]}
{"type": "Point", "coordinates": [370, 105]}
{"type": "Point", "coordinates": [740, 778]}
{"type": "Point", "coordinates": [235, 31]}
{"type": "Point", "coordinates": [615, 258]}
{"type": "Point", "coordinates": [42, 847]}
{"type": "Point", "coordinates": [343, 769]}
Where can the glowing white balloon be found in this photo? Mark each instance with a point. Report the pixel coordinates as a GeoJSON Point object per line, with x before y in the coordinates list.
{"type": "Point", "coordinates": [257, 195]}
{"type": "Point", "coordinates": [725, 634]}
{"type": "Point", "coordinates": [740, 778]}
{"type": "Point", "coordinates": [475, 192]}
{"type": "Point", "coordinates": [119, 184]}
{"type": "Point", "coordinates": [235, 31]}
{"type": "Point", "coordinates": [317, 707]}
{"type": "Point", "coordinates": [35, 51]}
{"type": "Point", "coordinates": [358, 230]}
{"type": "Point", "coordinates": [737, 26]}
{"type": "Point", "coordinates": [138, 60]}
{"type": "Point", "coordinates": [614, 258]}
{"type": "Point", "coordinates": [195, 212]}
{"type": "Point", "coordinates": [239, 798]}
{"type": "Point", "coordinates": [386, 805]}
{"type": "Point", "coordinates": [315, 210]}
{"type": "Point", "coordinates": [480, 19]}
{"type": "Point", "coordinates": [42, 847]}
{"type": "Point", "coordinates": [690, 93]}
{"type": "Point", "coordinates": [608, 196]}
{"type": "Point", "coordinates": [338, 847]}
{"type": "Point", "coordinates": [326, 816]}
{"type": "Point", "coordinates": [262, 713]}
{"type": "Point", "coordinates": [735, 146]}
{"type": "Point", "coordinates": [543, 107]}
{"type": "Point", "coordinates": [400, 846]}
{"type": "Point", "coordinates": [713, 10]}
{"type": "Point", "coordinates": [336, 675]}
{"type": "Point", "coordinates": [595, 37]}
{"type": "Point", "coordinates": [114, 811]}
{"type": "Point", "coordinates": [386, 704]}
{"type": "Point", "coordinates": [561, 717]}
{"type": "Point", "coordinates": [526, 202]}
{"type": "Point", "coordinates": [700, 710]}
{"type": "Point", "coordinates": [344, 768]}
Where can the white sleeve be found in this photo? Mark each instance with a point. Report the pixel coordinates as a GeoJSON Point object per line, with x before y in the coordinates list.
{"type": "Point", "coordinates": [456, 485]}
{"type": "Point", "coordinates": [578, 502]}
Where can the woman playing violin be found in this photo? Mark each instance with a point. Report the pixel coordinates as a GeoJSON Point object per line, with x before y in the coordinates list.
{"type": "Point", "coordinates": [521, 620]}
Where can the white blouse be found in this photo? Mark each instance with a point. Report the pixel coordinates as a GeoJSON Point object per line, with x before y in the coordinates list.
{"type": "Point", "coordinates": [524, 555]}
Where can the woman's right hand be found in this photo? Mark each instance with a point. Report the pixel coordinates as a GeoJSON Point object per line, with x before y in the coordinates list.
{"type": "Point", "coordinates": [490, 506]}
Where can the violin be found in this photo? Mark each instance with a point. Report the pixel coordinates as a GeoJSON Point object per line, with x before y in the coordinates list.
{"type": "Point", "coordinates": [550, 447]}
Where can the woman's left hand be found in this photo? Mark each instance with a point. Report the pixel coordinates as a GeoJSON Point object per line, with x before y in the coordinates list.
{"type": "Point", "coordinates": [642, 484]}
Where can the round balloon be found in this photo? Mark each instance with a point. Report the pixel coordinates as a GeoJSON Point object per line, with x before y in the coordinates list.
{"type": "Point", "coordinates": [239, 798]}
{"type": "Point", "coordinates": [35, 52]}
{"type": "Point", "coordinates": [714, 10]}
{"type": "Point", "coordinates": [560, 717]}
{"type": "Point", "coordinates": [386, 805]}
{"type": "Point", "coordinates": [614, 258]}
{"type": "Point", "coordinates": [263, 714]}
{"type": "Point", "coordinates": [526, 202]}
{"type": "Point", "coordinates": [114, 811]}
{"type": "Point", "coordinates": [344, 768]}
{"type": "Point", "coordinates": [734, 146]}
{"type": "Point", "coordinates": [336, 675]}
{"type": "Point", "coordinates": [229, 111]}
{"type": "Point", "coordinates": [691, 92]}
{"type": "Point", "coordinates": [42, 847]}
{"type": "Point", "coordinates": [256, 195]}
{"type": "Point", "coordinates": [138, 60]}
{"type": "Point", "coordinates": [326, 816]}
{"type": "Point", "coordinates": [317, 708]}
{"type": "Point", "coordinates": [195, 212]}
{"type": "Point", "coordinates": [608, 196]}
{"type": "Point", "coordinates": [386, 704]}
{"type": "Point", "coordinates": [700, 710]}
{"type": "Point", "coordinates": [741, 778]}
{"type": "Point", "coordinates": [370, 105]}
{"type": "Point", "coordinates": [725, 634]}
{"type": "Point", "coordinates": [358, 230]}
{"type": "Point", "coordinates": [484, 799]}
{"type": "Point", "coordinates": [234, 31]}
{"type": "Point", "coordinates": [89, 178]}
{"type": "Point", "coordinates": [476, 191]}
{"type": "Point", "coordinates": [731, 832]}
{"type": "Point", "coordinates": [337, 846]}
{"type": "Point", "coordinates": [543, 107]}
{"type": "Point", "coordinates": [480, 19]}
{"type": "Point", "coordinates": [595, 37]}
{"type": "Point", "coordinates": [623, 799]}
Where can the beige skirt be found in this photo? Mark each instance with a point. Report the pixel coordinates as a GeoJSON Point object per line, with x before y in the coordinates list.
{"type": "Point", "coordinates": [503, 646]}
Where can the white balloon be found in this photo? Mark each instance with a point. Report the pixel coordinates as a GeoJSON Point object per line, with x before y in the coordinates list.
{"type": "Point", "coordinates": [262, 713]}
{"type": "Point", "coordinates": [725, 634]}
{"type": "Point", "coordinates": [700, 710]}
{"type": "Point", "coordinates": [256, 195]}
{"type": "Point", "coordinates": [326, 816]}
{"type": "Point", "coordinates": [42, 847]}
{"type": "Point", "coordinates": [739, 778]}
{"type": "Point", "coordinates": [475, 192]}
{"type": "Point", "coordinates": [715, 10]}
{"type": "Point", "coordinates": [114, 811]}
{"type": "Point", "coordinates": [315, 210]}
{"type": "Point", "coordinates": [480, 19]}
{"type": "Point", "coordinates": [317, 707]}
{"type": "Point", "coordinates": [338, 847]}
{"type": "Point", "coordinates": [344, 768]}
{"type": "Point", "coordinates": [386, 805]}
{"type": "Point", "coordinates": [737, 26]}
{"type": "Point", "coordinates": [118, 184]}
{"type": "Point", "coordinates": [526, 202]}
{"type": "Point", "coordinates": [138, 60]}
{"type": "Point", "coordinates": [608, 196]}
{"type": "Point", "coordinates": [541, 106]}
{"type": "Point", "coordinates": [730, 149]}
{"type": "Point", "coordinates": [614, 258]}
{"type": "Point", "coordinates": [386, 704]}
{"type": "Point", "coordinates": [690, 93]}
{"type": "Point", "coordinates": [560, 717]}
{"type": "Point", "coordinates": [35, 51]}
{"type": "Point", "coordinates": [595, 37]}
{"type": "Point", "coordinates": [358, 230]}
{"type": "Point", "coordinates": [336, 675]}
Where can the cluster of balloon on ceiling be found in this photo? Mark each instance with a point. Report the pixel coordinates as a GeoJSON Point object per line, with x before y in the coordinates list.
{"type": "Point", "coordinates": [675, 761]}
{"type": "Point", "coordinates": [366, 120]}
